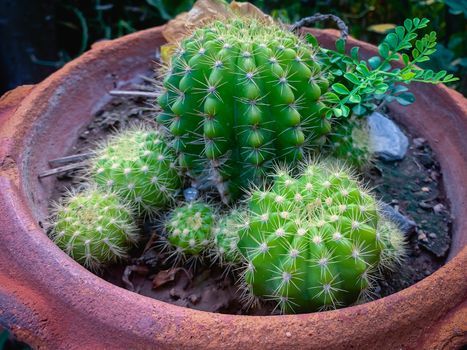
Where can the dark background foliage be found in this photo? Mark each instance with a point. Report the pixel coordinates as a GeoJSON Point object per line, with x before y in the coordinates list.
{"type": "Point", "coordinates": [38, 37]}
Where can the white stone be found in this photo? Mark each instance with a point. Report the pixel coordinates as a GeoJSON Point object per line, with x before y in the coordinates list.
{"type": "Point", "coordinates": [387, 141]}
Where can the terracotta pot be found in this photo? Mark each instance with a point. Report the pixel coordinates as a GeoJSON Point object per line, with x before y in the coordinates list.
{"type": "Point", "coordinates": [50, 301]}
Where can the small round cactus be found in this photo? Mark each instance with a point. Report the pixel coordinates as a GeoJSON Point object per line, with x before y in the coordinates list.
{"type": "Point", "coordinates": [94, 227]}
{"type": "Point", "coordinates": [224, 250]}
{"type": "Point", "coordinates": [139, 166]}
{"type": "Point", "coordinates": [240, 95]}
{"type": "Point", "coordinates": [315, 241]}
{"type": "Point", "coordinates": [190, 229]}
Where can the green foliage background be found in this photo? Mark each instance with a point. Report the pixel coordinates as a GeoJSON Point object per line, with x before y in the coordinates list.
{"type": "Point", "coordinates": [84, 22]}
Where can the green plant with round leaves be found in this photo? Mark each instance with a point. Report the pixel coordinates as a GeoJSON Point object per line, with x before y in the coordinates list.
{"type": "Point", "coordinates": [190, 230]}
{"type": "Point", "coordinates": [360, 86]}
{"type": "Point", "coordinates": [139, 166]}
{"type": "Point", "coordinates": [239, 96]}
{"type": "Point", "coordinates": [315, 241]}
{"type": "Point", "coordinates": [94, 227]}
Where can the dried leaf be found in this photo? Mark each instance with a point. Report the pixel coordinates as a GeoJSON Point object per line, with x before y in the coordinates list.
{"type": "Point", "coordinates": [166, 276]}
{"type": "Point", "coordinates": [249, 10]}
{"type": "Point", "coordinates": [382, 28]}
{"type": "Point", "coordinates": [207, 10]}
{"type": "Point", "coordinates": [202, 11]}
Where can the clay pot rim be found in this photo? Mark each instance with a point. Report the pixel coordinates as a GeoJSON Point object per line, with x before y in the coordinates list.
{"type": "Point", "coordinates": [11, 177]}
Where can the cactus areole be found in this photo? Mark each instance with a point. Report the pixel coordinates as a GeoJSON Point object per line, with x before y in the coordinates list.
{"type": "Point", "coordinates": [240, 95]}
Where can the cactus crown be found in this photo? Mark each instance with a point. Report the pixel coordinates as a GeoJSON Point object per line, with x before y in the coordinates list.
{"type": "Point", "coordinates": [94, 227]}
{"type": "Point", "coordinates": [314, 241]}
{"type": "Point", "coordinates": [239, 96]}
{"type": "Point", "coordinates": [139, 166]}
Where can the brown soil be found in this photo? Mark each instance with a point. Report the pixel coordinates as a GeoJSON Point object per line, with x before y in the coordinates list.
{"type": "Point", "coordinates": [412, 186]}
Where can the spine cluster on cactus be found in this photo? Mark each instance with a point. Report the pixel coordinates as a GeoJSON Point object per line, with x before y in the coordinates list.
{"type": "Point", "coordinates": [94, 227]}
{"type": "Point", "coordinates": [224, 249]}
{"type": "Point", "coordinates": [239, 96]}
{"type": "Point", "coordinates": [139, 166]}
{"type": "Point", "coordinates": [190, 229]}
{"type": "Point", "coordinates": [315, 241]}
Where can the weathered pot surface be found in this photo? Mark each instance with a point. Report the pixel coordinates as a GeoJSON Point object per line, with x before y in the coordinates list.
{"type": "Point", "coordinates": [50, 301]}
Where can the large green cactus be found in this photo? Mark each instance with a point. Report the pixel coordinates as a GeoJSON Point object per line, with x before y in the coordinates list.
{"type": "Point", "coordinates": [315, 241]}
{"type": "Point", "coordinates": [240, 95]}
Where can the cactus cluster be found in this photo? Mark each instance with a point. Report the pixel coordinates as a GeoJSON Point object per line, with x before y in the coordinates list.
{"type": "Point", "coordinates": [94, 227]}
{"type": "Point", "coordinates": [189, 230]}
{"type": "Point", "coordinates": [240, 95]}
{"type": "Point", "coordinates": [139, 166]}
{"type": "Point", "coordinates": [315, 241]}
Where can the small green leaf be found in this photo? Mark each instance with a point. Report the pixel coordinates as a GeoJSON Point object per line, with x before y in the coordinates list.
{"type": "Point", "coordinates": [311, 39]}
{"type": "Point", "coordinates": [408, 24]}
{"type": "Point", "coordinates": [400, 31]}
{"type": "Point", "coordinates": [405, 59]}
{"type": "Point", "coordinates": [337, 112]}
{"type": "Point", "coordinates": [405, 98]}
{"type": "Point", "coordinates": [392, 40]}
{"type": "Point", "coordinates": [440, 75]}
{"type": "Point", "coordinates": [345, 110]}
{"type": "Point", "coordinates": [423, 23]}
{"type": "Point", "coordinates": [354, 53]}
{"type": "Point", "coordinates": [374, 62]}
{"type": "Point", "coordinates": [383, 50]}
{"type": "Point", "coordinates": [386, 67]}
{"type": "Point", "coordinates": [381, 88]}
{"type": "Point", "coordinates": [400, 88]}
{"type": "Point", "coordinates": [340, 89]}
{"type": "Point", "coordinates": [363, 69]}
{"type": "Point", "coordinates": [428, 74]}
{"type": "Point", "coordinates": [407, 75]}
{"type": "Point", "coordinates": [352, 78]}
{"type": "Point", "coordinates": [449, 78]}
{"type": "Point", "coordinates": [359, 110]}
{"type": "Point", "coordinates": [340, 45]}
{"type": "Point", "coordinates": [355, 99]}
{"type": "Point", "coordinates": [419, 45]}
{"type": "Point", "coordinates": [337, 72]}
{"type": "Point", "coordinates": [331, 97]}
